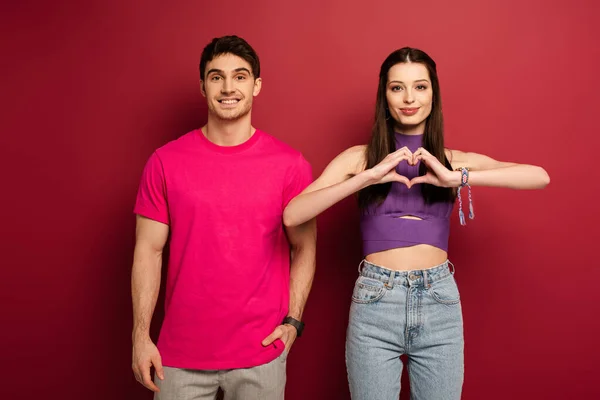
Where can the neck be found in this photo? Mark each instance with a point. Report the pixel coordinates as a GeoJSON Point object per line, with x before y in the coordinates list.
{"type": "Point", "coordinates": [228, 132]}
{"type": "Point", "coordinates": [410, 130]}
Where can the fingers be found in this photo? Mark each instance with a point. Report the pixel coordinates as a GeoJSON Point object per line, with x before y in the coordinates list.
{"type": "Point", "coordinates": [388, 164]}
{"type": "Point", "coordinates": [402, 179]}
{"type": "Point", "coordinates": [396, 160]}
{"type": "Point", "coordinates": [422, 150]}
{"type": "Point", "coordinates": [157, 362]}
{"type": "Point", "coordinates": [277, 333]}
{"type": "Point", "coordinates": [419, 179]}
{"type": "Point", "coordinates": [421, 154]}
{"type": "Point", "coordinates": [403, 151]}
{"type": "Point", "coordinates": [406, 151]}
{"type": "Point", "coordinates": [393, 176]}
{"type": "Point", "coordinates": [421, 157]}
{"type": "Point", "coordinates": [141, 371]}
{"type": "Point", "coordinates": [391, 162]}
{"type": "Point", "coordinates": [136, 373]}
{"type": "Point", "coordinates": [430, 161]}
{"type": "Point", "coordinates": [427, 178]}
{"type": "Point", "coordinates": [147, 379]}
{"type": "Point", "coordinates": [439, 174]}
{"type": "Point", "coordinates": [146, 355]}
{"type": "Point", "coordinates": [396, 155]}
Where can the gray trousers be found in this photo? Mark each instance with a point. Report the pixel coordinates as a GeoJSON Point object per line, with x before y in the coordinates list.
{"type": "Point", "coordinates": [263, 382]}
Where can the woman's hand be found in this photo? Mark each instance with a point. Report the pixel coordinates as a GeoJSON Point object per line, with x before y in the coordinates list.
{"type": "Point", "coordinates": [437, 173]}
{"type": "Point", "coordinates": [385, 171]}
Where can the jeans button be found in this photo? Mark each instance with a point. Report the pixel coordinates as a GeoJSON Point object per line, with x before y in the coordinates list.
{"type": "Point", "coordinates": [413, 277]}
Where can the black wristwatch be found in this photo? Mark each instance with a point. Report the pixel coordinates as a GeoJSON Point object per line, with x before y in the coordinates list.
{"type": "Point", "coordinates": [299, 325]}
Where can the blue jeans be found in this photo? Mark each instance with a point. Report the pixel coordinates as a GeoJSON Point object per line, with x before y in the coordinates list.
{"type": "Point", "coordinates": [417, 313]}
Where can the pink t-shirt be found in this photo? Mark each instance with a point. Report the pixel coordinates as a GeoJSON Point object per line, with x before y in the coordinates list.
{"type": "Point", "coordinates": [228, 273]}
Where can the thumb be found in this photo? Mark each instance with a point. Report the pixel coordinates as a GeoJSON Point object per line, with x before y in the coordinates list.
{"type": "Point", "coordinates": [402, 179]}
{"type": "Point", "coordinates": [419, 179]}
{"type": "Point", "coordinates": [271, 338]}
{"type": "Point", "coordinates": [157, 362]}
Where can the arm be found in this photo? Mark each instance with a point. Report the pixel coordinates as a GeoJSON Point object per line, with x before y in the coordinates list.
{"type": "Point", "coordinates": [344, 176]}
{"type": "Point", "coordinates": [151, 237]}
{"type": "Point", "coordinates": [303, 243]}
{"type": "Point", "coordinates": [483, 171]}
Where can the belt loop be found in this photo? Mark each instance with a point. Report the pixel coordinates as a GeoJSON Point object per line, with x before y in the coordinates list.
{"type": "Point", "coordinates": [451, 269]}
{"type": "Point", "coordinates": [390, 283]}
{"type": "Point", "coordinates": [360, 266]}
{"type": "Point", "coordinates": [425, 280]}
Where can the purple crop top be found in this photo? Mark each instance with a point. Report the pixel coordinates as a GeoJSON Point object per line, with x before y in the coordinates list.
{"type": "Point", "coordinates": [381, 227]}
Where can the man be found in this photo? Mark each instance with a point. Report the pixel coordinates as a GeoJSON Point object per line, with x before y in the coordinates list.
{"type": "Point", "coordinates": [237, 280]}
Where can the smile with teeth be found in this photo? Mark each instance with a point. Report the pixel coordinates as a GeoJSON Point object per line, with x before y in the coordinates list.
{"type": "Point", "coordinates": [229, 101]}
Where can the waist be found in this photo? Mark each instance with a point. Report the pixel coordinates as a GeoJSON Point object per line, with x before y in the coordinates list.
{"type": "Point", "coordinates": [384, 232]}
{"type": "Point", "coordinates": [420, 256]}
{"type": "Point", "coordinates": [419, 277]}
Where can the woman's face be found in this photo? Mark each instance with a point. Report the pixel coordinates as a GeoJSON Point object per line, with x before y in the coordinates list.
{"type": "Point", "coordinates": [409, 96]}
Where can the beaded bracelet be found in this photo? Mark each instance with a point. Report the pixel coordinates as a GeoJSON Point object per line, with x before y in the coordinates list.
{"type": "Point", "coordinates": [464, 181]}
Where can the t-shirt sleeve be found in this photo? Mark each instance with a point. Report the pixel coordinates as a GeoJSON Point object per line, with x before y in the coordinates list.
{"type": "Point", "coordinates": [298, 179]}
{"type": "Point", "coordinates": [151, 201]}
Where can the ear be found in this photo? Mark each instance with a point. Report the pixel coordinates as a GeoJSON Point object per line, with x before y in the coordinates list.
{"type": "Point", "coordinates": [257, 86]}
{"type": "Point", "coordinates": [202, 90]}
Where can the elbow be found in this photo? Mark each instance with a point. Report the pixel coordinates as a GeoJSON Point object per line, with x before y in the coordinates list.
{"type": "Point", "coordinates": [290, 215]}
{"type": "Point", "coordinates": [544, 178]}
{"type": "Point", "coordinates": [288, 220]}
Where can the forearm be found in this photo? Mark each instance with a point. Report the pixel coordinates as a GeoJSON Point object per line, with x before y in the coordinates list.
{"type": "Point", "coordinates": [520, 176]}
{"type": "Point", "coordinates": [308, 205]}
{"type": "Point", "coordinates": [145, 285]}
{"type": "Point", "coordinates": [302, 272]}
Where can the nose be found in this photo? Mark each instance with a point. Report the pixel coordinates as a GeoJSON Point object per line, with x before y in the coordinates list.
{"type": "Point", "coordinates": [408, 96]}
{"type": "Point", "coordinates": [227, 86]}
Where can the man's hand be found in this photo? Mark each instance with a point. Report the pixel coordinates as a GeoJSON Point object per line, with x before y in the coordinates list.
{"type": "Point", "coordinates": [287, 333]}
{"type": "Point", "coordinates": [146, 355]}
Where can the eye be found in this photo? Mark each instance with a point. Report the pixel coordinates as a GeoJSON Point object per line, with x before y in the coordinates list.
{"type": "Point", "coordinates": [215, 78]}
{"type": "Point", "coordinates": [422, 87]}
{"type": "Point", "coordinates": [240, 77]}
{"type": "Point", "coordinates": [396, 88]}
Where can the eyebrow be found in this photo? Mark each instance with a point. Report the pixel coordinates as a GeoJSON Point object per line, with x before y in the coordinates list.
{"type": "Point", "coordinates": [420, 80]}
{"type": "Point", "coordinates": [220, 71]}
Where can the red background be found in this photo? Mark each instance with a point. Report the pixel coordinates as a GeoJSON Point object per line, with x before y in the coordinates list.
{"type": "Point", "coordinates": [91, 88]}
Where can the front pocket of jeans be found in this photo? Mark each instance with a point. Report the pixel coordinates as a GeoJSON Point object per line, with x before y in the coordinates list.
{"type": "Point", "coordinates": [445, 291]}
{"type": "Point", "coordinates": [367, 290]}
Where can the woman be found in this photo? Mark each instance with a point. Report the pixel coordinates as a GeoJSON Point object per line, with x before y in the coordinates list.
{"type": "Point", "coordinates": [405, 300]}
